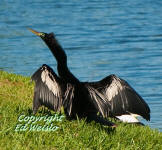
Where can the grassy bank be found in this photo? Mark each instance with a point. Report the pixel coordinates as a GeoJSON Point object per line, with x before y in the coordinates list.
{"type": "Point", "coordinates": [16, 94]}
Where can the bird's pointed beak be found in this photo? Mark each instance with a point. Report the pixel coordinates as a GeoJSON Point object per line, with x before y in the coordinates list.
{"type": "Point", "coordinates": [35, 32]}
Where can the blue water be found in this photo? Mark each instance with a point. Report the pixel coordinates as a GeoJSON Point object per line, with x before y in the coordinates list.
{"type": "Point", "coordinates": [100, 38]}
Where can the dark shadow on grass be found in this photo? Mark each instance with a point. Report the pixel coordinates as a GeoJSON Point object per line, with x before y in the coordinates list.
{"type": "Point", "coordinates": [29, 112]}
{"type": "Point", "coordinates": [91, 122]}
{"type": "Point", "coordinates": [42, 111]}
{"type": "Point", "coordinates": [136, 124]}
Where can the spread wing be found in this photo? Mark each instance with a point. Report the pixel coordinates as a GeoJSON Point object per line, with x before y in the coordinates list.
{"type": "Point", "coordinates": [47, 90]}
{"type": "Point", "coordinates": [121, 96]}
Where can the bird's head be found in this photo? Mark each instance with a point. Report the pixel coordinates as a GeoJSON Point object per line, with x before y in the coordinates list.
{"type": "Point", "coordinates": [54, 46]}
{"type": "Point", "coordinates": [46, 37]}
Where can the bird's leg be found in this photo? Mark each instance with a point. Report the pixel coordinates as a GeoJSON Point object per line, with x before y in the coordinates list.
{"type": "Point", "coordinates": [101, 120]}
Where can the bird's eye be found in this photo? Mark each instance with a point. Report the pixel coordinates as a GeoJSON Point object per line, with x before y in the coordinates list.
{"type": "Point", "coordinates": [42, 35]}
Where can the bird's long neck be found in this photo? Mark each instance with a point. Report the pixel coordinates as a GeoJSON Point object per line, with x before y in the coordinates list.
{"type": "Point", "coordinates": [61, 58]}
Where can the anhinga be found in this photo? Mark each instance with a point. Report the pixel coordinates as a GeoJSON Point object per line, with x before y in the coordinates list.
{"type": "Point", "coordinates": [111, 97]}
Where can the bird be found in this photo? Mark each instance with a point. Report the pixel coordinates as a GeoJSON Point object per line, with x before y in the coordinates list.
{"type": "Point", "coordinates": [110, 97]}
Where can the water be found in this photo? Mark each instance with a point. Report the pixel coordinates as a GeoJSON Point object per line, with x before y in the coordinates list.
{"type": "Point", "coordinates": [100, 38]}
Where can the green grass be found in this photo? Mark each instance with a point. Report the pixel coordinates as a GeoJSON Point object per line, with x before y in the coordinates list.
{"type": "Point", "coordinates": [16, 93]}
